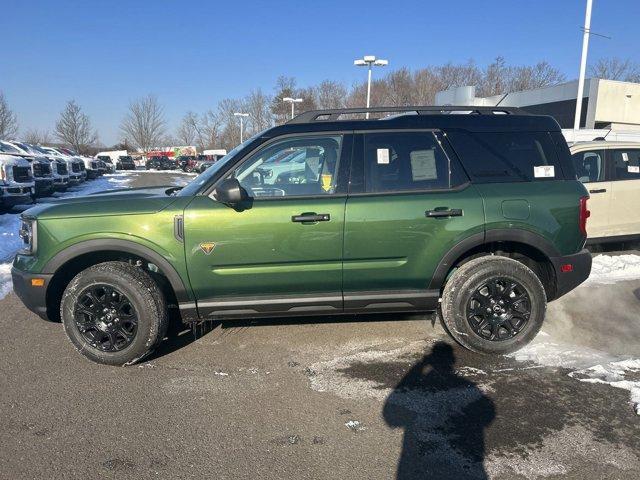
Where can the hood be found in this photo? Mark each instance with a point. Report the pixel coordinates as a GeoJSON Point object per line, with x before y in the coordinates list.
{"type": "Point", "coordinates": [130, 201]}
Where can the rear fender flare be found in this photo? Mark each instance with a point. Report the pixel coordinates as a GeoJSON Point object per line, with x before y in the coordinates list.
{"type": "Point", "coordinates": [459, 250]}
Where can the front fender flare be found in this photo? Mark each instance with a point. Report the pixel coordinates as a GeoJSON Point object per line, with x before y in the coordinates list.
{"type": "Point", "coordinates": [113, 244]}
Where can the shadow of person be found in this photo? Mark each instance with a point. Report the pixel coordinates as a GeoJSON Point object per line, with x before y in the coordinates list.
{"type": "Point", "coordinates": [443, 416]}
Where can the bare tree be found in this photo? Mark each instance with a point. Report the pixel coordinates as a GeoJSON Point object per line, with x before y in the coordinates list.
{"type": "Point", "coordinates": [144, 124]}
{"type": "Point", "coordinates": [74, 128]}
{"type": "Point", "coordinates": [285, 87]}
{"type": "Point", "coordinates": [8, 120]}
{"type": "Point", "coordinates": [37, 137]}
{"type": "Point", "coordinates": [189, 130]}
{"type": "Point", "coordinates": [258, 105]}
{"type": "Point", "coordinates": [330, 94]}
{"type": "Point", "coordinates": [616, 69]}
{"type": "Point", "coordinates": [210, 130]}
{"type": "Point", "coordinates": [400, 88]}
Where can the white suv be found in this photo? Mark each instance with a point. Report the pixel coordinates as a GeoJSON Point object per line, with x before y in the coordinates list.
{"type": "Point", "coordinates": [611, 173]}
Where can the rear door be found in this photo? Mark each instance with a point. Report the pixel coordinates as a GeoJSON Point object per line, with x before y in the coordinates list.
{"type": "Point", "coordinates": [409, 203]}
{"type": "Point", "coordinates": [624, 211]}
{"type": "Point", "coordinates": [590, 166]}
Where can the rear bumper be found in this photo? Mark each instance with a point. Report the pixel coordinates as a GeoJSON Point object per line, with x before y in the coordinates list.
{"type": "Point", "coordinates": [34, 298]}
{"type": "Point", "coordinates": [580, 269]}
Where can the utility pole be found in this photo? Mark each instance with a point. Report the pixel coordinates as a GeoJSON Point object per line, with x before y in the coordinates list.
{"type": "Point", "coordinates": [292, 101]}
{"type": "Point", "coordinates": [241, 116]}
{"type": "Point", "coordinates": [583, 64]}
{"type": "Point", "coordinates": [370, 61]}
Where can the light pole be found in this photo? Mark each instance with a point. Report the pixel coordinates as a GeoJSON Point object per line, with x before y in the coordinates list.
{"type": "Point", "coordinates": [370, 61]}
{"type": "Point", "coordinates": [241, 115]}
{"type": "Point", "coordinates": [292, 101]}
{"type": "Point", "coordinates": [583, 64]}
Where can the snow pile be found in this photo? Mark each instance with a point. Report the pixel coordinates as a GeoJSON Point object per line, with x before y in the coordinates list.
{"type": "Point", "coordinates": [611, 269]}
{"type": "Point", "coordinates": [10, 242]}
{"type": "Point", "coordinates": [5, 279]}
{"type": "Point", "coordinates": [615, 374]}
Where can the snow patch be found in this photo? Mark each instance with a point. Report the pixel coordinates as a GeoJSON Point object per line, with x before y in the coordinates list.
{"type": "Point", "coordinates": [609, 269]}
{"type": "Point", "coordinates": [587, 365]}
{"type": "Point", "coordinates": [615, 374]}
{"type": "Point", "coordinates": [354, 425]}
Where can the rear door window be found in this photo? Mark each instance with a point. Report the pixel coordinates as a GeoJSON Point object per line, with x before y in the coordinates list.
{"type": "Point", "coordinates": [407, 161]}
{"type": "Point", "coordinates": [589, 165]}
{"type": "Point", "coordinates": [626, 164]}
{"type": "Point", "coordinates": [507, 156]}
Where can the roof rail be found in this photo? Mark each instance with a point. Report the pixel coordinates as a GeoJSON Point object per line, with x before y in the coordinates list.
{"type": "Point", "coordinates": [335, 114]}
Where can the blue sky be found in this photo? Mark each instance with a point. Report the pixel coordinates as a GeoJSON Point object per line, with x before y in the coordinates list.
{"type": "Point", "coordinates": [194, 53]}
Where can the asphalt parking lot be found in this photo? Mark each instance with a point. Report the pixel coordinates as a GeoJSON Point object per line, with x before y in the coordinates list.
{"type": "Point", "coordinates": [344, 397]}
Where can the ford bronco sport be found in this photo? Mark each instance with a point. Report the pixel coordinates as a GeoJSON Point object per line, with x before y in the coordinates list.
{"type": "Point", "coordinates": [472, 211]}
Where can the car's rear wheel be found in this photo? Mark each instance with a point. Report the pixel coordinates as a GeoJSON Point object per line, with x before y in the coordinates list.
{"type": "Point", "coordinates": [493, 305]}
{"type": "Point", "coordinates": [114, 313]}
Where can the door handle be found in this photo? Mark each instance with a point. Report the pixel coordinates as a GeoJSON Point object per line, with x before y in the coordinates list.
{"type": "Point", "coordinates": [598, 190]}
{"type": "Point", "coordinates": [311, 217]}
{"type": "Point", "coordinates": [451, 212]}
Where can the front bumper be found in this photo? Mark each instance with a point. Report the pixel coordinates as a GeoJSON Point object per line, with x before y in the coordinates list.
{"type": "Point", "coordinates": [34, 298]}
{"type": "Point", "coordinates": [60, 183]}
{"type": "Point", "coordinates": [75, 179]}
{"type": "Point", "coordinates": [570, 278]}
{"type": "Point", "coordinates": [11, 195]}
{"type": "Point", "coordinates": [44, 186]}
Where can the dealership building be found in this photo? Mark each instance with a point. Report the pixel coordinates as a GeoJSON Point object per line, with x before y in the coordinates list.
{"type": "Point", "coordinates": [606, 104]}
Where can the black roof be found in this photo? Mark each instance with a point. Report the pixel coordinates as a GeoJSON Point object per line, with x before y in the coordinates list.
{"type": "Point", "coordinates": [471, 118]}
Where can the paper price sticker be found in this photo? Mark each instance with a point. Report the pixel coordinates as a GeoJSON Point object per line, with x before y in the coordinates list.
{"type": "Point", "coordinates": [544, 171]}
{"type": "Point", "coordinates": [383, 156]}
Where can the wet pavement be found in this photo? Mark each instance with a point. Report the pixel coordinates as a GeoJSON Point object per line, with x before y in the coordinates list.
{"type": "Point", "coordinates": [345, 397]}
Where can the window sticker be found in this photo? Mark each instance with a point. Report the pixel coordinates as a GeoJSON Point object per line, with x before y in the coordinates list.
{"type": "Point", "coordinates": [544, 171]}
{"type": "Point", "coordinates": [326, 179]}
{"type": "Point", "coordinates": [383, 156]}
{"type": "Point", "coordinates": [633, 169]}
{"type": "Point", "coordinates": [423, 165]}
{"type": "Point", "coordinates": [625, 156]}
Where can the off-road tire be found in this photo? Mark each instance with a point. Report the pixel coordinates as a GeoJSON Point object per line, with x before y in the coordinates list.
{"type": "Point", "coordinates": [145, 297]}
{"type": "Point", "coordinates": [470, 276]}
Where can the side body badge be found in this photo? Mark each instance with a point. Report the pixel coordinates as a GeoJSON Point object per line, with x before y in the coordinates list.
{"type": "Point", "coordinates": [207, 247]}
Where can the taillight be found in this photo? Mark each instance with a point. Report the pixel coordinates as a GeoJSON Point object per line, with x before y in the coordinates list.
{"type": "Point", "coordinates": [584, 214]}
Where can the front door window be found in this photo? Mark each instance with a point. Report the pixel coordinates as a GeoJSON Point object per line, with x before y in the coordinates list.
{"type": "Point", "coordinates": [300, 166]}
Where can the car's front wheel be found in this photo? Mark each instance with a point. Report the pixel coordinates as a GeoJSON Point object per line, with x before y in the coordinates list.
{"type": "Point", "coordinates": [114, 313]}
{"type": "Point", "coordinates": [493, 305]}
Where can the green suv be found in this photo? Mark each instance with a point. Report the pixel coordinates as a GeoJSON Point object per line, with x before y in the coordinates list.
{"type": "Point", "coordinates": [471, 211]}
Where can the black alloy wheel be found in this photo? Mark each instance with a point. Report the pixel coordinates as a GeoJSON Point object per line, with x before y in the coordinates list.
{"type": "Point", "coordinates": [499, 309]}
{"type": "Point", "coordinates": [105, 318]}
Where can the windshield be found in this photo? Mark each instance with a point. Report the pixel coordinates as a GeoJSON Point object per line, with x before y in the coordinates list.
{"type": "Point", "coordinates": [5, 147]}
{"type": "Point", "coordinates": [202, 179]}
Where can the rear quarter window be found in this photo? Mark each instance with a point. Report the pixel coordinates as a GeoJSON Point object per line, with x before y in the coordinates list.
{"type": "Point", "coordinates": [499, 157]}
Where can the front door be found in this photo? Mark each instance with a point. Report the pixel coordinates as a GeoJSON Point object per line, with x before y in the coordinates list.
{"type": "Point", "coordinates": [282, 252]}
{"type": "Point", "coordinates": [414, 206]}
{"type": "Point", "coordinates": [590, 170]}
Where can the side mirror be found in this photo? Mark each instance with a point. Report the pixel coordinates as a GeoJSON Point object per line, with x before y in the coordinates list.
{"type": "Point", "coordinates": [231, 192]}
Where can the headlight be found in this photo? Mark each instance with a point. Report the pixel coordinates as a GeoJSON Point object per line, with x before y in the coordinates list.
{"type": "Point", "coordinates": [29, 234]}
